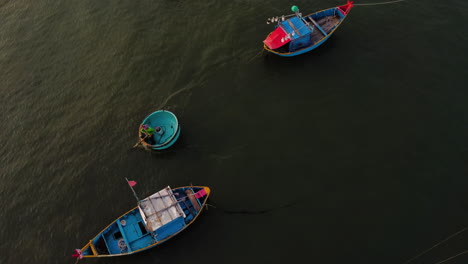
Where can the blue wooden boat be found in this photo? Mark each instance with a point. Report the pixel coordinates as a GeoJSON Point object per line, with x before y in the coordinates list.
{"type": "Point", "coordinates": [296, 34]}
{"type": "Point", "coordinates": [159, 130]}
{"type": "Point", "coordinates": [155, 220]}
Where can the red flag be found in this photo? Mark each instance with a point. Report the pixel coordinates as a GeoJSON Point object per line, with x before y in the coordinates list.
{"type": "Point", "coordinates": [132, 183]}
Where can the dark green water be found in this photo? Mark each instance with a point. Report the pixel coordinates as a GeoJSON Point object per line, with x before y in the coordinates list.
{"type": "Point", "coordinates": [353, 153]}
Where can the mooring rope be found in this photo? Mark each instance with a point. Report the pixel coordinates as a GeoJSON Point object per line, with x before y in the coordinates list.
{"type": "Point", "coordinates": [427, 250]}
{"type": "Point", "coordinates": [382, 3]}
{"type": "Point", "coordinates": [452, 257]}
{"type": "Point", "coordinates": [253, 212]}
{"type": "Point", "coordinates": [256, 55]}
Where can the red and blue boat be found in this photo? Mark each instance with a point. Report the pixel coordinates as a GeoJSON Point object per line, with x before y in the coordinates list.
{"type": "Point", "coordinates": [296, 34]}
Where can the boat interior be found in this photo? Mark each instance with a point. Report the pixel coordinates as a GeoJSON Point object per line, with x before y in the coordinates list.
{"type": "Point", "coordinates": [325, 21]}
{"type": "Point", "coordinates": [166, 122]}
{"type": "Point", "coordinates": [189, 204]}
{"type": "Point", "coordinates": [168, 129]}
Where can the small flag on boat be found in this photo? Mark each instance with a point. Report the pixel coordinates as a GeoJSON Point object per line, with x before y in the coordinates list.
{"type": "Point", "coordinates": [78, 254]}
{"type": "Point", "coordinates": [200, 193]}
{"type": "Point", "coordinates": [132, 183]}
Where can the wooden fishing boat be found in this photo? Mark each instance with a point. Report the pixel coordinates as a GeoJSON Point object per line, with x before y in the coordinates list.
{"type": "Point", "coordinates": [159, 130]}
{"type": "Point", "coordinates": [296, 34]}
{"type": "Point", "coordinates": [155, 220]}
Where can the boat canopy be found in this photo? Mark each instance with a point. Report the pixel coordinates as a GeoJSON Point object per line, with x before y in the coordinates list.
{"type": "Point", "coordinates": [160, 208]}
{"type": "Point", "coordinates": [290, 29]}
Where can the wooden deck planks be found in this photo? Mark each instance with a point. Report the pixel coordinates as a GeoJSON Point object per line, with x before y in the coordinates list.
{"type": "Point", "coordinates": [328, 23]}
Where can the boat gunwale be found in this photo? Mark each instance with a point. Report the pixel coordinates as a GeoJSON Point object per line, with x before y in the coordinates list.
{"type": "Point", "coordinates": [90, 244]}
{"type": "Point", "coordinates": [313, 44]}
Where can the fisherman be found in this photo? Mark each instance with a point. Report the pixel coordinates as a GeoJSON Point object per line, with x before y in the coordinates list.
{"type": "Point", "coordinates": [148, 132]}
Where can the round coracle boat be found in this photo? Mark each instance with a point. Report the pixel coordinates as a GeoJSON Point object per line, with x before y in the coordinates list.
{"type": "Point", "coordinates": [159, 130]}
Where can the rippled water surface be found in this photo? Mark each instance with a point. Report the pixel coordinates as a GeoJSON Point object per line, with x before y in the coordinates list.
{"type": "Point", "coordinates": [353, 153]}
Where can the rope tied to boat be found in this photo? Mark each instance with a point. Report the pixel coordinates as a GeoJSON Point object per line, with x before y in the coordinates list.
{"type": "Point", "coordinates": [452, 257]}
{"type": "Point", "coordinates": [256, 55]}
{"type": "Point", "coordinates": [381, 3]}
{"type": "Point", "coordinates": [436, 245]}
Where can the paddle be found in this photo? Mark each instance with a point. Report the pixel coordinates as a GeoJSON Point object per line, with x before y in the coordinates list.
{"type": "Point", "coordinates": [141, 140]}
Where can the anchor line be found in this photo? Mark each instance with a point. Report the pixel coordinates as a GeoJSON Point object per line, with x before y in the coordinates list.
{"type": "Point", "coordinates": [256, 55]}
{"type": "Point", "coordinates": [452, 257]}
{"type": "Point", "coordinates": [446, 239]}
{"type": "Point", "coordinates": [254, 212]}
{"type": "Point", "coordinates": [381, 3]}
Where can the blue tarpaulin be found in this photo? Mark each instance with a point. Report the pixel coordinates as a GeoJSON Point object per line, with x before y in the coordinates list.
{"type": "Point", "coordinates": [297, 26]}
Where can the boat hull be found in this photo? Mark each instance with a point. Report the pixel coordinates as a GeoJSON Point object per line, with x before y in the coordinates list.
{"type": "Point", "coordinates": [318, 36]}
{"type": "Point", "coordinates": [124, 227]}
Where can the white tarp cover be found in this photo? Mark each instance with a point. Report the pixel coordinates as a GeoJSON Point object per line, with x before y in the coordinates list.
{"type": "Point", "coordinates": [160, 209]}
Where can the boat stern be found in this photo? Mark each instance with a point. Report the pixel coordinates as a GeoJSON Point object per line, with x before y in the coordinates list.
{"type": "Point", "coordinates": [88, 250]}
